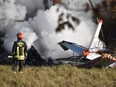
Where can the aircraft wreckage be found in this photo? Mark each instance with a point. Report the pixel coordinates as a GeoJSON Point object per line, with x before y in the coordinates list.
{"type": "Point", "coordinates": [97, 55]}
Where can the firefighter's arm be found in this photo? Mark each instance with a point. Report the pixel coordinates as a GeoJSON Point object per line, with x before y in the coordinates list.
{"type": "Point", "coordinates": [25, 51]}
{"type": "Point", "coordinates": [13, 49]}
{"type": "Point", "coordinates": [25, 55]}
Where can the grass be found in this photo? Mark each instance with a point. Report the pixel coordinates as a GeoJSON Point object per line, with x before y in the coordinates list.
{"type": "Point", "coordinates": [58, 76]}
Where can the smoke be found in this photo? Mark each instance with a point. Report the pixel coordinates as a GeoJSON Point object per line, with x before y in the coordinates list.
{"type": "Point", "coordinates": [25, 28]}
{"type": "Point", "coordinates": [48, 38]}
{"type": "Point", "coordinates": [12, 11]}
{"type": "Point", "coordinates": [40, 30]}
{"type": "Point", "coordinates": [33, 5]}
{"type": "Point", "coordinates": [10, 15]}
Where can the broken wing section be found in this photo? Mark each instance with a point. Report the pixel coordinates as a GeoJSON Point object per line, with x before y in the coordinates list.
{"type": "Point", "coordinates": [72, 46]}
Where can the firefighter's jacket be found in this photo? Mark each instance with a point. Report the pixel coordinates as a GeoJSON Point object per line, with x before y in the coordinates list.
{"type": "Point", "coordinates": [19, 50]}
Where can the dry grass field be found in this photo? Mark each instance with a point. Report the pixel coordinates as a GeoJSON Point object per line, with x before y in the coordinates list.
{"type": "Point", "coordinates": [58, 76]}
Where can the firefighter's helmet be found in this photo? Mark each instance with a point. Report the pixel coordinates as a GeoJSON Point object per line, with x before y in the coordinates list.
{"type": "Point", "coordinates": [20, 35]}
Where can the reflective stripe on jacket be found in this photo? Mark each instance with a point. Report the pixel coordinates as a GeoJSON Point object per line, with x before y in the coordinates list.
{"type": "Point", "coordinates": [19, 50]}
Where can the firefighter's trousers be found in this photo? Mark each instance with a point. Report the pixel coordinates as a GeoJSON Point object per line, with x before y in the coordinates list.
{"type": "Point", "coordinates": [17, 63]}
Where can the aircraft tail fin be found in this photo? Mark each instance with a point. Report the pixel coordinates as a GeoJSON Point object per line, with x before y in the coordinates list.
{"type": "Point", "coordinates": [96, 43]}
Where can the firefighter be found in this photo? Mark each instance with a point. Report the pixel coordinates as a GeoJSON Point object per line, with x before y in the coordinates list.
{"type": "Point", "coordinates": [19, 53]}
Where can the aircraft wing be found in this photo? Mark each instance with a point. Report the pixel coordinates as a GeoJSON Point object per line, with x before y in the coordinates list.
{"type": "Point", "coordinates": [72, 46]}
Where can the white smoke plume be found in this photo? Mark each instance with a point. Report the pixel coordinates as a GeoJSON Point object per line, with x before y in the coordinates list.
{"type": "Point", "coordinates": [10, 14]}
{"type": "Point", "coordinates": [49, 38]}
{"type": "Point", "coordinates": [11, 11]}
{"type": "Point", "coordinates": [25, 28]}
{"type": "Point", "coordinates": [33, 5]}
{"type": "Point", "coordinates": [40, 30]}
